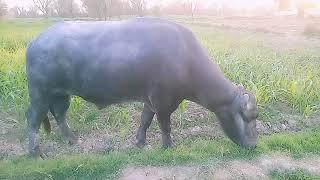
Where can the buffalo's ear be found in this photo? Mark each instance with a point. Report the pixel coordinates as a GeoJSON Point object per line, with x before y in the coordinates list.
{"type": "Point", "coordinates": [249, 106]}
{"type": "Point", "coordinates": [240, 87]}
{"type": "Point", "coordinates": [244, 100]}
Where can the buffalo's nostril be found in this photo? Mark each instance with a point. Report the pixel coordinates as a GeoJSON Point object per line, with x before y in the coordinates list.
{"type": "Point", "coordinates": [252, 147]}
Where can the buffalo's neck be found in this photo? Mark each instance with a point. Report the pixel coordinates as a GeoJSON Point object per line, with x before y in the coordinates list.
{"type": "Point", "coordinates": [211, 88]}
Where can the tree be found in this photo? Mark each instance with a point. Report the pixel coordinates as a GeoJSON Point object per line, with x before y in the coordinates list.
{"type": "Point", "coordinates": [3, 8]}
{"type": "Point", "coordinates": [66, 8]}
{"type": "Point", "coordinates": [175, 7]}
{"type": "Point", "coordinates": [192, 6]}
{"type": "Point", "coordinates": [303, 5]}
{"type": "Point", "coordinates": [19, 11]}
{"type": "Point", "coordinates": [95, 8]}
{"type": "Point", "coordinates": [283, 5]}
{"type": "Point", "coordinates": [43, 6]}
{"type": "Point", "coordinates": [156, 11]}
{"type": "Point", "coordinates": [32, 11]}
{"type": "Point", "coordinates": [103, 8]}
{"type": "Point", "coordinates": [138, 6]}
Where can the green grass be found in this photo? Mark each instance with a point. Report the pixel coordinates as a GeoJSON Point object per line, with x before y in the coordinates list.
{"type": "Point", "coordinates": [106, 166]}
{"type": "Point", "coordinates": [273, 73]}
{"type": "Point", "coordinates": [14, 37]}
{"type": "Point", "coordinates": [276, 75]}
{"type": "Point", "coordinates": [297, 174]}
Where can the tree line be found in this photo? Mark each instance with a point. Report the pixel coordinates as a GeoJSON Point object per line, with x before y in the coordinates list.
{"type": "Point", "coordinates": [99, 9]}
{"type": "Point", "coordinates": [105, 9]}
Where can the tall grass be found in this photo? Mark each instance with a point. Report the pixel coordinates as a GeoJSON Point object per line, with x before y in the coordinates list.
{"type": "Point", "coordinates": [274, 74]}
{"type": "Point", "coordinates": [14, 37]}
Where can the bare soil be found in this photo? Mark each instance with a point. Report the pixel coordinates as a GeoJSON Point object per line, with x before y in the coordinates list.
{"type": "Point", "coordinates": [237, 169]}
{"type": "Point", "coordinates": [196, 122]}
{"type": "Point", "coordinates": [285, 32]}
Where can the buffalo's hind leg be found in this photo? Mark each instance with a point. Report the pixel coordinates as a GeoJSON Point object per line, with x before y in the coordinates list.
{"type": "Point", "coordinates": [36, 114]}
{"type": "Point", "coordinates": [146, 119]}
{"type": "Point", "coordinates": [59, 107]}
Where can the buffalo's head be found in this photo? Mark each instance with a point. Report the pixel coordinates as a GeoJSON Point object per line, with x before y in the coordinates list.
{"type": "Point", "coordinates": [238, 119]}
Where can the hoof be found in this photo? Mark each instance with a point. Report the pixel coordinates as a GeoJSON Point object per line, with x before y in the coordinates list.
{"type": "Point", "coordinates": [38, 155]}
{"type": "Point", "coordinates": [74, 141]}
{"type": "Point", "coordinates": [140, 144]}
{"type": "Point", "coordinates": [169, 145]}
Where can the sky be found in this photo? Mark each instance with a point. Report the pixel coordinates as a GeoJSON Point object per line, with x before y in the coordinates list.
{"type": "Point", "coordinates": [24, 3]}
{"type": "Point", "coordinates": [12, 3]}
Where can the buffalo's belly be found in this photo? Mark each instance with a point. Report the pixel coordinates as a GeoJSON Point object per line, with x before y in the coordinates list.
{"type": "Point", "coordinates": [104, 93]}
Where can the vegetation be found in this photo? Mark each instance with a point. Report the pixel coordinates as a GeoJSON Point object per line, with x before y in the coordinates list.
{"type": "Point", "coordinates": [297, 174]}
{"type": "Point", "coordinates": [289, 76]}
{"type": "Point", "coordinates": [199, 151]}
{"type": "Point", "coordinates": [275, 74]}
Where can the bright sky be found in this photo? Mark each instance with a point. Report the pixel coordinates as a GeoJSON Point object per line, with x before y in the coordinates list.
{"type": "Point", "coordinates": [25, 3]}
{"type": "Point", "coordinates": [12, 3]}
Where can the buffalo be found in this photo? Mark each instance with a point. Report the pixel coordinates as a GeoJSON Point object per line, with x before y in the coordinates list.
{"type": "Point", "coordinates": [149, 60]}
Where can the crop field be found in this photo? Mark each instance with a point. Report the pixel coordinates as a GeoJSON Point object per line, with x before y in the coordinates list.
{"type": "Point", "coordinates": [282, 70]}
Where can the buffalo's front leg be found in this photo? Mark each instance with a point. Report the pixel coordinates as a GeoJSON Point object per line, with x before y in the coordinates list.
{"type": "Point", "coordinates": [165, 125]}
{"type": "Point", "coordinates": [146, 119]}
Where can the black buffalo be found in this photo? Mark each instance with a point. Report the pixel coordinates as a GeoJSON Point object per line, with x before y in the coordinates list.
{"type": "Point", "coordinates": [149, 60]}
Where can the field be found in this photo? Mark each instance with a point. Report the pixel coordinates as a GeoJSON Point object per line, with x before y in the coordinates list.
{"type": "Point", "coordinates": [281, 65]}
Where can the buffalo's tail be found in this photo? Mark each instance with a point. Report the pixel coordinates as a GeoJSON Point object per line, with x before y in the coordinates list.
{"type": "Point", "coordinates": [46, 125]}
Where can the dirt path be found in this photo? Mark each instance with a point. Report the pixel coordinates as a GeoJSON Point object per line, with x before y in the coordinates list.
{"type": "Point", "coordinates": [238, 169]}
{"type": "Point", "coordinates": [286, 33]}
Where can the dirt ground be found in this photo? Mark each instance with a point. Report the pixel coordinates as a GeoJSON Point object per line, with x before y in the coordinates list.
{"type": "Point", "coordinates": [106, 140]}
{"type": "Point", "coordinates": [238, 169]}
{"type": "Point", "coordinates": [286, 32]}
{"type": "Point", "coordinates": [284, 26]}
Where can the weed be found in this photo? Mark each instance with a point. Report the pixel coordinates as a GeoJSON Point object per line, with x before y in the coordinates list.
{"type": "Point", "coordinates": [296, 174]}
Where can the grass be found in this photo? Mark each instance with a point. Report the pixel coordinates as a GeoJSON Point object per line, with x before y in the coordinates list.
{"type": "Point", "coordinates": [297, 174]}
{"type": "Point", "coordinates": [289, 76]}
{"type": "Point", "coordinates": [275, 74]}
{"type": "Point", "coordinates": [199, 151]}
{"type": "Point", "coordinates": [14, 37]}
